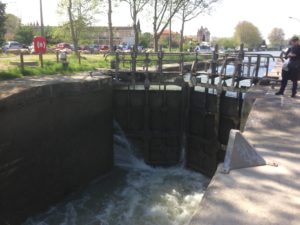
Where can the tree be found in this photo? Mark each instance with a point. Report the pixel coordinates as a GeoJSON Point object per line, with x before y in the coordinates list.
{"type": "Point", "coordinates": [277, 37]}
{"type": "Point", "coordinates": [146, 39]}
{"type": "Point", "coordinates": [12, 25]}
{"type": "Point", "coordinates": [189, 11]}
{"type": "Point", "coordinates": [110, 26]}
{"type": "Point", "coordinates": [106, 7]}
{"type": "Point", "coordinates": [2, 22]}
{"type": "Point", "coordinates": [136, 7]}
{"type": "Point", "coordinates": [226, 42]}
{"type": "Point", "coordinates": [247, 33]}
{"type": "Point", "coordinates": [25, 35]}
{"type": "Point", "coordinates": [165, 41]}
{"type": "Point", "coordinates": [164, 11]}
{"type": "Point", "coordinates": [81, 15]}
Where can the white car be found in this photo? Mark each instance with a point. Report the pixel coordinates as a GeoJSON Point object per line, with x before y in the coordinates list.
{"type": "Point", "coordinates": [11, 45]}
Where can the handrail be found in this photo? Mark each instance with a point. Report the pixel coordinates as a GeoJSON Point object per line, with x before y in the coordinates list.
{"type": "Point", "coordinates": [235, 66]}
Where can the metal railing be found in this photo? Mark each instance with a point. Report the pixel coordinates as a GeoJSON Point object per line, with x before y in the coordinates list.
{"type": "Point", "coordinates": [213, 70]}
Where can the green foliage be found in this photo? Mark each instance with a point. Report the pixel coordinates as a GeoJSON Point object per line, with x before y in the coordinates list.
{"type": "Point", "coordinates": [277, 37]}
{"type": "Point", "coordinates": [25, 35]}
{"type": "Point", "coordinates": [2, 22]}
{"type": "Point", "coordinates": [226, 42]}
{"type": "Point", "coordinates": [12, 25]}
{"type": "Point", "coordinates": [164, 41]}
{"type": "Point", "coordinates": [146, 40]}
{"type": "Point", "coordinates": [49, 34]}
{"type": "Point", "coordinates": [247, 33]}
{"type": "Point", "coordinates": [82, 16]}
{"type": "Point", "coordinates": [61, 33]}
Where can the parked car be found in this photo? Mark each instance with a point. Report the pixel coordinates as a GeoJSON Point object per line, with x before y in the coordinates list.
{"type": "Point", "coordinates": [12, 45]}
{"type": "Point", "coordinates": [104, 48]}
{"type": "Point", "coordinates": [94, 48]}
{"type": "Point", "coordinates": [62, 46]}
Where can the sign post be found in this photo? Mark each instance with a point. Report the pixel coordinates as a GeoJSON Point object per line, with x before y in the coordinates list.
{"type": "Point", "coordinates": [40, 47]}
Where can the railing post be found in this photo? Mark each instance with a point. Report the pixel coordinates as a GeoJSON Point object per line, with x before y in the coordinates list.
{"type": "Point", "coordinates": [160, 56]}
{"type": "Point", "coordinates": [258, 62]}
{"type": "Point", "coordinates": [79, 57]}
{"type": "Point", "coordinates": [181, 64]}
{"type": "Point", "coordinates": [117, 66]}
{"type": "Point", "coordinates": [57, 56]}
{"type": "Point", "coordinates": [249, 66]}
{"type": "Point", "coordinates": [133, 66]}
{"type": "Point", "coordinates": [267, 66]}
{"type": "Point", "coordinates": [41, 60]}
{"type": "Point", "coordinates": [133, 60]}
{"type": "Point", "coordinates": [146, 64]}
{"type": "Point", "coordinates": [238, 66]}
{"type": "Point", "coordinates": [214, 64]}
{"type": "Point", "coordinates": [22, 62]}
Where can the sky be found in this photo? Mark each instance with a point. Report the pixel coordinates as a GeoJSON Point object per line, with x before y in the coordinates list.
{"type": "Point", "coordinates": [265, 14]}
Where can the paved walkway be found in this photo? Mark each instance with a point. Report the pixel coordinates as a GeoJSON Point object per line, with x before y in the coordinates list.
{"type": "Point", "coordinates": [262, 195]}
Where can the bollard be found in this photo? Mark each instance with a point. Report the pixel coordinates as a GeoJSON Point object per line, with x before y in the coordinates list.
{"type": "Point", "coordinates": [64, 60]}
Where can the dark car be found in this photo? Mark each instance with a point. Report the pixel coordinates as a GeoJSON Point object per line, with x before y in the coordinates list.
{"type": "Point", "coordinates": [94, 48]}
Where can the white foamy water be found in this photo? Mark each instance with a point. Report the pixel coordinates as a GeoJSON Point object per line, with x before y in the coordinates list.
{"type": "Point", "coordinates": [135, 194]}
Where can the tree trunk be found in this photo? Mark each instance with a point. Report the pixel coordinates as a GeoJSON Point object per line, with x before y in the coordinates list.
{"type": "Point", "coordinates": [110, 28]}
{"type": "Point", "coordinates": [135, 27]}
{"type": "Point", "coordinates": [155, 28]}
{"type": "Point", "coordinates": [182, 32]}
{"type": "Point", "coordinates": [156, 40]}
{"type": "Point", "coordinates": [170, 28]}
{"type": "Point", "coordinates": [74, 38]}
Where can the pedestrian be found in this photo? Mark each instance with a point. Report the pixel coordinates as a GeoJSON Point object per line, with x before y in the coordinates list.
{"type": "Point", "coordinates": [292, 69]}
{"type": "Point", "coordinates": [198, 48]}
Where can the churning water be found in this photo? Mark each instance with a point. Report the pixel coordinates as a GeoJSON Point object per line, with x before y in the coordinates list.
{"type": "Point", "coordinates": [134, 194]}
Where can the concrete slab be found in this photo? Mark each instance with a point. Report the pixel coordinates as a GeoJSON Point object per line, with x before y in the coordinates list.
{"type": "Point", "coordinates": [11, 87]}
{"type": "Point", "coordinates": [263, 195]}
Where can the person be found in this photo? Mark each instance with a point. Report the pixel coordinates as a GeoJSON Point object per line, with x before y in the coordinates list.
{"type": "Point", "coordinates": [291, 70]}
{"type": "Point", "coordinates": [197, 49]}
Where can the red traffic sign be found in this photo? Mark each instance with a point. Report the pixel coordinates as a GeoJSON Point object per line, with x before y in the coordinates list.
{"type": "Point", "coordinates": [40, 45]}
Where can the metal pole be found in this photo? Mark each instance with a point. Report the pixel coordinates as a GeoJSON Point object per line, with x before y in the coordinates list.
{"type": "Point", "coordinates": [170, 28]}
{"type": "Point", "coordinates": [42, 19]}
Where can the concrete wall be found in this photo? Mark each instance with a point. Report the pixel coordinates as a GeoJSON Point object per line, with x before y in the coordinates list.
{"type": "Point", "coordinates": [54, 138]}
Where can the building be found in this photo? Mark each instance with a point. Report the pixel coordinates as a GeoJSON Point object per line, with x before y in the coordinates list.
{"type": "Point", "coordinates": [166, 34]}
{"type": "Point", "coordinates": [122, 35]}
{"type": "Point", "coordinates": [99, 34]}
{"type": "Point", "coordinates": [203, 35]}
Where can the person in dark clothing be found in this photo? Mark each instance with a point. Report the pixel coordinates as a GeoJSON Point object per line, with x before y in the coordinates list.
{"type": "Point", "coordinates": [293, 68]}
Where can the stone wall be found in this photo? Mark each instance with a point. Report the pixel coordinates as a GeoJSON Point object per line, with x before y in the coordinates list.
{"type": "Point", "coordinates": [55, 137]}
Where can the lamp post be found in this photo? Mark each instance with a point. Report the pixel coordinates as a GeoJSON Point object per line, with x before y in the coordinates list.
{"type": "Point", "coordinates": [42, 18]}
{"type": "Point", "coordinates": [42, 31]}
{"type": "Point", "coordinates": [293, 18]}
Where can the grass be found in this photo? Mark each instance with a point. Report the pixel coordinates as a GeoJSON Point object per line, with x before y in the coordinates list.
{"type": "Point", "coordinates": [88, 63]}
{"type": "Point", "coordinates": [51, 67]}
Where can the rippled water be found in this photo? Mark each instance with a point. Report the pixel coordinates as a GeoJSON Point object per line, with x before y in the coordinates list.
{"type": "Point", "coordinates": [134, 194]}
